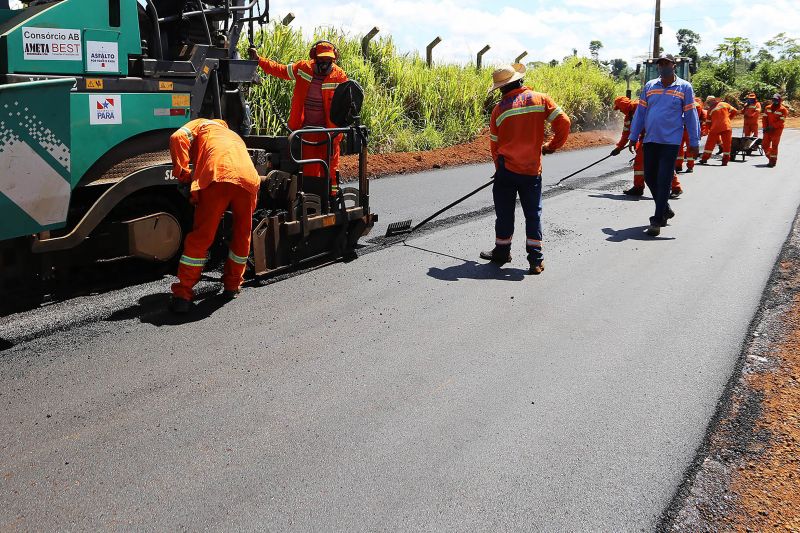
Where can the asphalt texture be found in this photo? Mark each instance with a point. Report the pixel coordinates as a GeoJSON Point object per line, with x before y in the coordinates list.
{"type": "Point", "coordinates": [415, 388]}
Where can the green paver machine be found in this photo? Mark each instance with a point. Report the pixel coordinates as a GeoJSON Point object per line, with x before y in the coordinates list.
{"type": "Point", "coordinates": [90, 91]}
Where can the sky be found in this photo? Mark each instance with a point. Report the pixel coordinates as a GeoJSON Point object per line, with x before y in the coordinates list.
{"type": "Point", "coordinates": [546, 30]}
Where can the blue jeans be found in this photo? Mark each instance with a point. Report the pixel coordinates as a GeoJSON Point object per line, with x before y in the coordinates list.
{"type": "Point", "coordinates": [659, 168]}
{"type": "Point", "coordinates": [507, 185]}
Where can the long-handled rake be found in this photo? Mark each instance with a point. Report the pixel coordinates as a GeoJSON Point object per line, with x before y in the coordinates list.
{"type": "Point", "coordinates": [404, 227]}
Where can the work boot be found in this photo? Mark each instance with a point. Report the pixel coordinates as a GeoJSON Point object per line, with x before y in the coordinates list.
{"type": "Point", "coordinates": [497, 256]}
{"type": "Point", "coordinates": [703, 161]}
{"type": "Point", "coordinates": [669, 216]}
{"type": "Point", "coordinates": [634, 191]}
{"type": "Point", "coordinates": [675, 193]}
{"type": "Point", "coordinates": [536, 267]}
{"type": "Point", "coordinates": [179, 306]}
{"type": "Point", "coordinates": [230, 295]}
{"type": "Point", "coordinates": [725, 160]}
{"type": "Point", "coordinates": [653, 230]}
{"type": "Point", "coordinates": [689, 170]}
{"type": "Point", "coordinates": [772, 163]}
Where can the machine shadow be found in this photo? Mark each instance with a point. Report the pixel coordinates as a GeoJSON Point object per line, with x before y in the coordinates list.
{"type": "Point", "coordinates": [636, 233]}
{"type": "Point", "coordinates": [153, 309]}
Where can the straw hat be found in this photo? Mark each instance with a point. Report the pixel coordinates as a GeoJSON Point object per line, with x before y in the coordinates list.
{"type": "Point", "coordinates": [507, 74]}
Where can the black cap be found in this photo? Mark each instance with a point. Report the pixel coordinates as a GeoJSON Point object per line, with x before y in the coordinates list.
{"type": "Point", "coordinates": [666, 57]}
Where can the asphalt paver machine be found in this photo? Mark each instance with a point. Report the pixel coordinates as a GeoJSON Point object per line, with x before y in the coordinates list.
{"type": "Point", "coordinates": [91, 90]}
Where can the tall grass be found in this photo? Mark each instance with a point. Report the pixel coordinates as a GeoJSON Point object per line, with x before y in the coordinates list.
{"type": "Point", "coordinates": [408, 106]}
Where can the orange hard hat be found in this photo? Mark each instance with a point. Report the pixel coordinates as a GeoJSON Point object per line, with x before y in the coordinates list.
{"type": "Point", "coordinates": [621, 101]}
{"type": "Point", "coordinates": [324, 49]}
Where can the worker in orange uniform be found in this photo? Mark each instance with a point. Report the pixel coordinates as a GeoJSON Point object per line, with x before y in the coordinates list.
{"type": "Point", "coordinates": [516, 139]}
{"type": "Point", "coordinates": [774, 121]}
{"type": "Point", "coordinates": [752, 114]}
{"type": "Point", "coordinates": [701, 115]}
{"type": "Point", "coordinates": [223, 176]}
{"type": "Point", "coordinates": [315, 80]}
{"type": "Point", "coordinates": [628, 107]}
{"type": "Point", "coordinates": [721, 114]}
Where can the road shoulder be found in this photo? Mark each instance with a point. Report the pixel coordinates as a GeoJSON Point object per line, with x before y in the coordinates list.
{"type": "Point", "coordinates": [746, 472]}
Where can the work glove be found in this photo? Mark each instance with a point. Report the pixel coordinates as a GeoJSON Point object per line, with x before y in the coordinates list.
{"type": "Point", "coordinates": [692, 152]}
{"type": "Point", "coordinates": [252, 53]}
{"type": "Point", "coordinates": [185, 189]}
{"type": "Point", "coordinates": [768, 129]}
{"type": "Point", "coordinates": [547, 151]}
{"type": "Point", "coordinates": [616, 151]}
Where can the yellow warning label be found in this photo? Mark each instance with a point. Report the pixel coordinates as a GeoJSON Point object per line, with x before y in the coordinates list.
{"type": "Point", "coordinates": [205, 69]}
{"type": "Point", "coordinates": [165, 86]}
{"type": "Point", "coordinates": [94, 83]}
{"type": "Point", "coordinates": [180, 100]}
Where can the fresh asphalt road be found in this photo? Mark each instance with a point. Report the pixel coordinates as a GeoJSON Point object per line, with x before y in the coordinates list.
{"type": "Point", "coordinates": [414, 388]}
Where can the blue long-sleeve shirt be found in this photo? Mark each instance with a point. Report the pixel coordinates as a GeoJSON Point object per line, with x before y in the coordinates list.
{"type": "Point", "coordinates": [663, 112]}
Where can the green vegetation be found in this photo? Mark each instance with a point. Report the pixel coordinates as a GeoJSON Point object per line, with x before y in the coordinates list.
{"type": "Point", "coordinates": [740, 67]}
{"type": "Point", "coordinates": [409, 106]}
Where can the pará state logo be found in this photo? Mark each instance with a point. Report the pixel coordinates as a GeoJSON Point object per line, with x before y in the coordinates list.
{"type": "Point", "coordinates": [105, 109]}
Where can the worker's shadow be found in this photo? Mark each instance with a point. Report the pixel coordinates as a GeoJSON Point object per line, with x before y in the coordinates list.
{"type": "Point", "coordinates": [632, 234]}
{"type": "Point", "coordinates": [154, 309]}
{"type": "Point", "coordinates": [471, 270]}
{"type": "Point", "coordinates": [621, 197]}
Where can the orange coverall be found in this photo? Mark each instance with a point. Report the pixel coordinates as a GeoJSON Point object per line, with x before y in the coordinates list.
{"type": "Point", "coordinates": [302, 73]}
{"type": "Point", "coordinates": [628, 108]}
{"type": "Point", "coordinates": [751, 115]}
{"type": "Point", "coordinates": [701, 115]}
{"type": "Point", "coordinates": [774, 118]}
{"type": "Point", "coordinates": [223, 176]}
{"type": "Point", "coordinates": [720, 130]}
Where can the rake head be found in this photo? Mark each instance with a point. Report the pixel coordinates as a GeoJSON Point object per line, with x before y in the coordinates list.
{"type": "Point", "coordinates": [398, 228]}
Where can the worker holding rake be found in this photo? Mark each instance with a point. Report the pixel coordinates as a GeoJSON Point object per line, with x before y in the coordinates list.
{"type": "Point", "coordinates": [516, 136]}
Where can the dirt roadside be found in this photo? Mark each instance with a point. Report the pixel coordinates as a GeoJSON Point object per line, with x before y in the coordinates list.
{"type": "Point", "coordinates": [473, 152]}
{"type": "Point", "coordinates": [746, 476]}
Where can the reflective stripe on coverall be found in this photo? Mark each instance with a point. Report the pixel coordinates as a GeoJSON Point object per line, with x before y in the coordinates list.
{"type": "Point", "coordinates": [223, 176]}
{"type": "Point", "coordinates": [721, 130]}
{"type": "Point", "coordinates": [773, 118]}
{"type": "Point", "coordinates": [302, 74]}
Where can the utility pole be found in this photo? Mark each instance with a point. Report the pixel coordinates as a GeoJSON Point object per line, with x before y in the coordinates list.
{"type": "Point", "coordinates": [657, 31]}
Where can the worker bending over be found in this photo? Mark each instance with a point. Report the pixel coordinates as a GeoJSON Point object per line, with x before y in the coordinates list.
{"type": "Point", "coordinates": [774, 120]}
{"type": "Point", "coordinates": [628, 107]}
{"type": "Point", "coordinates": [315, 81]}
{"type": "Point", "coordinates": [516, 133]}
{"type": "Point", "coordinates": [720, 114]}
{"type": "Point", "coordinates": [752, 114]}
{"type": "Point", "coordinates": [223, 177]}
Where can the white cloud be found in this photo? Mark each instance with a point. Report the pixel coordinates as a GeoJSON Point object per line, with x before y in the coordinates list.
{"type": "Point", "coordinates": [547, 31]}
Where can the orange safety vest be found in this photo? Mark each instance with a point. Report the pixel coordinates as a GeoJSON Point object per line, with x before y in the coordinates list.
{"type": "Point", "coordinates": [516, 129]}
{"type": "Point", "coordinates": [752, 112]}
{"type": "Point", "coordinates": [302, 73]}
{"type": "Point", "coordinates": [628, 108]}
{"type": "Point", "coordinates": [702, 115]}
{"type": "Point", "coordinates": [774, 118]}
{"type": "Point", "coordinates": [721, 116]}
{"type": "Point", "coordinates": [216, 153]}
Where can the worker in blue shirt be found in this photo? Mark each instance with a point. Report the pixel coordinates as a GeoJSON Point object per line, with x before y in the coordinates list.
{"type": "Point", "coordinates": [666, 106]}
